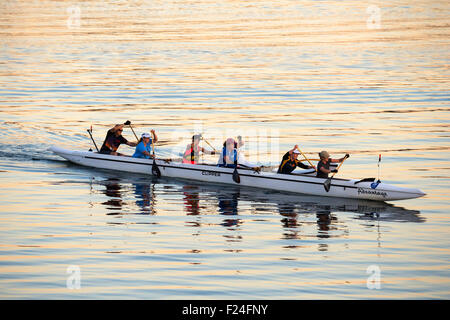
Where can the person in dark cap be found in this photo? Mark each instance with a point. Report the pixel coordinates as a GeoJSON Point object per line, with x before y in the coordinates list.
{"type": "Point", "coordinates": [323, 167]}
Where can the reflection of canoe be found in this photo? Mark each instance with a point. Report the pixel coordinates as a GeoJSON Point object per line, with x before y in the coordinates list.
{"type": "Point", "coordinates": [301, 183]}
{"type": "Point", "coordinates": [294, 203]}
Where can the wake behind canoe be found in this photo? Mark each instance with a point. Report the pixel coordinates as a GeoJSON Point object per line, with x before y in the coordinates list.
{"type": "Point", "coordinates": [297, 183]}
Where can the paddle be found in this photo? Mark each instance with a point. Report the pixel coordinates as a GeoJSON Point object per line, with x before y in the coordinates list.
{"type": "Point", "coordinates": [327, 183]}
{"type": "Point", "coordinates": [306, 159]}
{"type": "Point", "coordinates": [236, 177]}
{"type": "Point", "coordinates": [210, 145]}
{"type": "Point", "coordinates": [90, 133]}
{"type": "Point", "coordinates": [277, 165]}
{"type": "Point", "coordinates": [128, 123]}
{"type": "Point", "coordinates": [155, 170]}
{"type": "Point", "coordinates": [255, 169]}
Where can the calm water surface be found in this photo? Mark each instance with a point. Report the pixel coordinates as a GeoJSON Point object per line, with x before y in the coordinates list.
{"type": "Point", "coordinates": [336, 75]}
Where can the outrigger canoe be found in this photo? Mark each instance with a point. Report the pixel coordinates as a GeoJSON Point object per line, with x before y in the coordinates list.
{"type": "Point", "coordinates": [304, 183]}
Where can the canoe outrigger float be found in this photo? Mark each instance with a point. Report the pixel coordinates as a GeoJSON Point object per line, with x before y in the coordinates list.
{"type": "Point", "coordinates": [304, 183]}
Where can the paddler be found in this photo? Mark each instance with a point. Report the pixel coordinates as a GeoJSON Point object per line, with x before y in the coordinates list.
{"type": "Point", "coordinates": [144, 147]}
{"type": "Point", "coordinates": [229, 155]}
{"type": "Point", "coordinates": [290, 162]}
{"type": "Point", "coordinates": [114, 139]}
{"type": "Point", "coordinates": [323, 167]}
{"type": "Point", "coordinates": [193, 149]}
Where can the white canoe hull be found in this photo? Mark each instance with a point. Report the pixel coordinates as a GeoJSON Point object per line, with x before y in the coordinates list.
{"type": "Point", "coordinates": [304, 184]}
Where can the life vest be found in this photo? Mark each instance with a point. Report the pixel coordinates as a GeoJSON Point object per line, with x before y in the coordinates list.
{"type": "Point", "coordinates": [190, 156]}
{"type": "Point", "coordinates": [232, 155]}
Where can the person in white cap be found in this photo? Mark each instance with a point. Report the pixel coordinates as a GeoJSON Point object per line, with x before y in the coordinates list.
{"type": "Point", "coordinates": [144, 147]}
{"type": "Point", "coordinates": [290, 162]}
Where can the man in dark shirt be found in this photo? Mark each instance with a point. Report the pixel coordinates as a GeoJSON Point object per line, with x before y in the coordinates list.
{"type": "Point", "coordinates": [113, 140]}
{"type": "Point", "coordinates": [323, 167]}
{"type": "Point", "coordinates": [290, 162]}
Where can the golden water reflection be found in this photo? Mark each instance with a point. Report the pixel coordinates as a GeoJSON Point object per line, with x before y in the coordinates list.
{"type": "Point", "coordinates": [307, 73]}
{"type": "Point", "coordinates": [295, 211]}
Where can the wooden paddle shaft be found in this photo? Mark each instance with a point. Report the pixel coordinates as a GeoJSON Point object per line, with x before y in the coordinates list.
{"type": "Point", "coordinates": [153, 146]}
{"type": "Point", "coordinates": [210, 145]}
{"type": "Point", "coordinates": [306, 158]}
{"type": "Point", "coordinates": [340, 164]}
{"type": "Point", "coordinates": [133, 132]}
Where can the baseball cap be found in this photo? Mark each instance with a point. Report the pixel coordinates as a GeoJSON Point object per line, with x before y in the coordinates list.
{"type": "Point", "coordinates": [324, 154]}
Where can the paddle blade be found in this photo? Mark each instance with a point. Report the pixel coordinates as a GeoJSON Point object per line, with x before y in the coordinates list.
{"type": "Point", "coordinates": [155, 170]}
{"type": "Point", "coordinates": [236, 177]}
{"type": "Point", "coordinates": [327, 184]}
